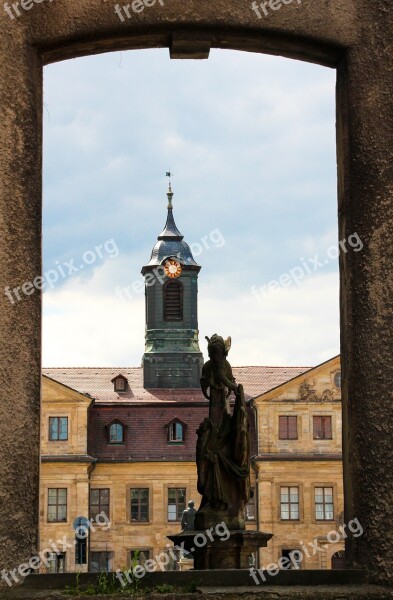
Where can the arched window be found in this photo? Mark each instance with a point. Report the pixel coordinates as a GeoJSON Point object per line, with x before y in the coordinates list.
{"type": "Point", "coordinates": [173, 301]}
{"type": "Point", "coordinates": [116, 433]}
{"type": "Point", "coordinates": [337, 380]}
{"type": "Point", "coordinates": [338, 560]}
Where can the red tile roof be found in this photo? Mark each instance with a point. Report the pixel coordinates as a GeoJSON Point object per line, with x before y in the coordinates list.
{"type": "Point", "coordinates": [146, 434]}
{"type": "Point", "coordinates": [97, 383]}
{"type": "Point", "coordinates": [145, 413]}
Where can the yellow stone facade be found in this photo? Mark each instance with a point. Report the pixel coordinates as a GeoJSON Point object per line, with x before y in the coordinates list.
{"type": "Point", "coordinates": [65, 465]}
{"type": "Point", "coordinates": [304, 463]}
{"type": "Point", "coordinates": [124, 535]}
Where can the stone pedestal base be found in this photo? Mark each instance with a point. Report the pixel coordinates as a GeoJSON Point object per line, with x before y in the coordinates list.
{"type": "Point", "coordinates": [207, 517]}
{"type": "Point", "coordinates": [185, 564]}
{"type": "Point", "coordinates": [211, 551]}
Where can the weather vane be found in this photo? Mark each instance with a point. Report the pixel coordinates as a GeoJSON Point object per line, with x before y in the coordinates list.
{"type": "Point", "coordinates": [169, 193]}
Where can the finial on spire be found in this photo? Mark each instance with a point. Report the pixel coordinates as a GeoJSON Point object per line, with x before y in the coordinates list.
{"type": "Point", "coordinates": [169, 193]}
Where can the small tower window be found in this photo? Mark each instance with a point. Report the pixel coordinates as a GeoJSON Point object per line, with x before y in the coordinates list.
{"type": "Point", "coordinates": [173, 301]}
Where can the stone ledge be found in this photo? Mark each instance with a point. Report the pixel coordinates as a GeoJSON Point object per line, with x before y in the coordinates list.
{"type": "Point", "coordinates": [238, 578]}
{"type": "Point", "coordinates": [361, 592]}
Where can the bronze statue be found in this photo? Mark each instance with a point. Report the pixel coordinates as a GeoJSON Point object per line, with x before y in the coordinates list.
{"type": "Point", "coordinates": [223, 463]}
{"type": "Point", "coordinates": [188, 517]}
{"type": "Point", "coordinates": [223, 446]}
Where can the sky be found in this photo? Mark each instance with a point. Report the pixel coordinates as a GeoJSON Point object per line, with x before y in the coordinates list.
{"type": "Point", "coordinates": [250, 140]}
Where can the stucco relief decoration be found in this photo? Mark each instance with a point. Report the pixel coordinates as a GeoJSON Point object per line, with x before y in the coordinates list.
{"type": "Point", "coordinates": [308, 394]}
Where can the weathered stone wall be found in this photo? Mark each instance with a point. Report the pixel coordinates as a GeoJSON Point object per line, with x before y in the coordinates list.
{"type": "Point", "coordinates": [353, 35]}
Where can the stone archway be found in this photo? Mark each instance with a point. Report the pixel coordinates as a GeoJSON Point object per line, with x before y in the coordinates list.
{"type": "Point", "coordinates": [338, 560]}
{"type": "Point", "coordinates": [353, 36]}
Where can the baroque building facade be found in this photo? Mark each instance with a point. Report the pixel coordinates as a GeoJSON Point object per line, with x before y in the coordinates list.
{"type": "Point", "coordinates": [121, 442]}
{"type": "Point", "coordinates": [299, 467]}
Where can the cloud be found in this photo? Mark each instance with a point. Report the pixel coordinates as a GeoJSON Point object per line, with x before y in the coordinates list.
{"type": "Point", "coordinates": [296, 326]}
{"type": "Point", "coordinates": [92, 325]}
{"type": "Point", "coordinates": [251, 140]}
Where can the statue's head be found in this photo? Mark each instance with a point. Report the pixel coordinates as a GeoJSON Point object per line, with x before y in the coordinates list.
{"type": "Point", "coordinates": [217, 346]}
{"type": "Point", "coordinates": [190, 504]}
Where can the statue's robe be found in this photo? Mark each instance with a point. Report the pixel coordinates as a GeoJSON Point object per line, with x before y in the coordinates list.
{"type": "Point", "coordinates": [223, 453]}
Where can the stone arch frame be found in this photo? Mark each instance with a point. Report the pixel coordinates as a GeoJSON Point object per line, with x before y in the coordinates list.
{"type": "Point", "coordinates": [350, 35]}
{"type": "Point", "coordinates": [332, 549]}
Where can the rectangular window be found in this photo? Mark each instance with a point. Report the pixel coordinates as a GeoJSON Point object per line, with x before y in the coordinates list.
{"type": "Point", "coordinates": [57, 505]}
{"type": "Point", "coordinates": [176, 503]}
{"type": "Point", "coordinates": [100, 562]}
{"type": "Point", "coordinates": [140, 504]}
{"type": "Point", "coordinates": [289, 503]}
{"type": "Point", "coordinates": [116, 433]}
{"type": "Point", "coordinates": [176, 432]}
{"type": "Point", "coordinates": [139, 557]}
{"type": "Point", "coordinates": [99, 502]}
{"type": "Point", "coordinates": [250, 507]}
{"type": "Point", "coordinates": [322, 427]}
{"type": "Point", "coordinates": [81, 551]}
{"type": "Point", "coordinates": [324, 510]}
{"type": "Point", "coordinates": [120, 384]}
{"type": "Point", "coordinates": [58, 429]}
{"type": "Point", "coordinates": [57, 562]}
{"type": "Point", "coordinates": [173, 301]}
{"type": "Point", "coordinates": [294, 558]}
{"type": "Point", "coordinates": [287, 428]}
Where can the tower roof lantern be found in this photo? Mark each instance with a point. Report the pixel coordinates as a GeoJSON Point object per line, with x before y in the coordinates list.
{"type": "Point", "coordinates": [170, 243]}
{"type": "Point", "coordinates": [170, 231]}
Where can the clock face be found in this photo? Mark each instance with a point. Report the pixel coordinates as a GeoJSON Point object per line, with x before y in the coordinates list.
{"type": "Point", "coordinates": [172, 268]}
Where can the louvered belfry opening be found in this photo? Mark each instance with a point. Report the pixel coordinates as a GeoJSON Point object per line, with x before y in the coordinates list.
{"type": "Point", "coordinates": [173, 301]}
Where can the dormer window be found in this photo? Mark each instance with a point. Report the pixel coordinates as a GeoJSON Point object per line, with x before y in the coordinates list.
{"type": "Point", "coordinates": [176, 432]}
{"type": "Point", "coordinates": [120, 383]}
{"type": "Point", "coordinates": [116, 432]}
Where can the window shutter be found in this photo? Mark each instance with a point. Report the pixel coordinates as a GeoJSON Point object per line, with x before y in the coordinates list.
{"type": "Point", "coordinates": [317, 428]}
{"type": "Point", "coordinates": [292, 428]}
{"type": "Point", "coordinates": [328, 427]}
{"type": "Point", "coordinates": [173, 302]}
{"type": "Point", "coordinates": [283, 428]}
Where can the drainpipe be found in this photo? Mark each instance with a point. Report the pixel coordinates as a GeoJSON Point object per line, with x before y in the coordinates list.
{"type": "Point", "coordinates": [90, 470]}
{"type": "Point", "coordinates": [255, 467]}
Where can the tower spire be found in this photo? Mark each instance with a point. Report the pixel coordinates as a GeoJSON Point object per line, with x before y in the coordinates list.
{"type": "Point", "coordinates": [169, 192]}
{"type": "Point", "coordinates": [170, 230]}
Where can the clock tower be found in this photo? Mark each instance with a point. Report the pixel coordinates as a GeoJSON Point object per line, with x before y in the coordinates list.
{"type": "Point", "coordinates": [172, 357]}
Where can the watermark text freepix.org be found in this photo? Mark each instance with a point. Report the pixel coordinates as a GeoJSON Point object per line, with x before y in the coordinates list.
{"type": "Point", "coordinates": [58, 547]}
{"type": "Point", "coordinates": [308, 267]}
{"type": "Point", "coordinates": [296, 557]}
{"type": "Point", "coordinates": [62, 271]}
{"type": "Point", "coordinates": [214, 238]}
{"type": "Point", "coordinates": [13, 9]}
{"type": "Point", "coordinates": [273, 5]}
{"type": "Point", "coordinates": [137, 6]}
{"type": "Point", "coordinates": [160, 561]}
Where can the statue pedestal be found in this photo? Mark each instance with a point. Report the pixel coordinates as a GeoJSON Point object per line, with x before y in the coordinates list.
{"type": "Point", "coordinates": [186, 564]}
{"type": "Point", "coordinates": [211, 551]}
